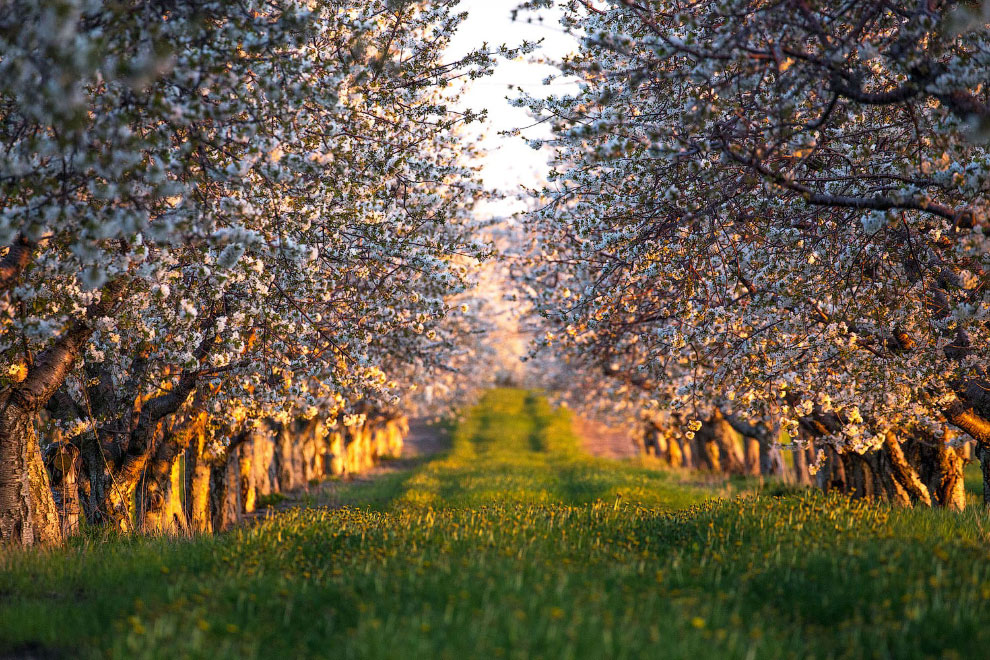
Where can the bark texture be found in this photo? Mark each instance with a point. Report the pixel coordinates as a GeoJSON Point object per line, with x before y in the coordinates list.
{"type": "Point", "coordinates": [15, 261]}
{"type": "Point", "coordinates": [159, 505]}
{"type": "Point", "coordinates": [28, 515]}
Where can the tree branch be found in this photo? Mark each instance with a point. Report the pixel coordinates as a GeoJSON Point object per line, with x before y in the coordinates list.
{"type": "Point", "coordinates": [15, 261]}
{"type": "Point", "coordinates": [52, 365]}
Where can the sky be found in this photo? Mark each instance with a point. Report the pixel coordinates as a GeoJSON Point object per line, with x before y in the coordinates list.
{"type": "Point", "coordinates": [509, 161]}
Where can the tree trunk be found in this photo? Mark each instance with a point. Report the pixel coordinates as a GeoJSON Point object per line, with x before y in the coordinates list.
{"type": "Point", "coordinates": [28, 515]}
{"type": "Point", "coordinates": [94, 477]}
{"type": "Point", "coordinates": [729, 450]}
{"type": "Point", "coordinates": [950, 490]}
{"type": "Point", "coordinates": [771, 461]}
{"type": "Point", "coordinates": [337, 453]}
{"type": "Point", "coordinates": [712, 458]}
{"type": "Point", "coordinates": [298, 445]}
{"type": "Point", "coordinates": [663, 447]}
{"type": "Point", "coordinates": [379, 439]}
{"type": "Point", "coordinates": [397, 429]}
{"type": "Point", "coordinates": [126, 478]}
{"type": "Point", "coordinates": [966, 451]}
{"type": "Point", "coordinates": [801, 475]}
{"type": "Point", "coordinates": [225, 492]}
{"type": "Point", "coordinates": [68, 491]}
{"type": "Point", "coordinates": [766, 463]}
{"type": "Point", "coordinates": [904, 473]}
{"type": "Point", "coordinates": [687, 452]}
{"type": "Point", "coordinates": [706, 448]}
{"type": "Point", "coordinates": [674, 455]}
{"type": "Point", "coordinates": [651, 440]}
{"type": "Point", "coordinates": [248, 494]}
{"type": "Point", "coordinates": [313, 450]}
{"type": "Point", "coordinates": [832, 477]}
{"type": "Point", "coordinates": [869, 477]}
{"type": "Point", "coordinates": [263, 460]}
{"type": "Point", "coordinates": [198, 474]}
{"type": "Point", "coordinates": [285, 457]}
{"type": "Point", "coordinates": [752, 456]}
{"type": "Point", "coordinates": [355, 451]}
{"type": "Point", "coordinates": [18, 256]}
{"type": "Point", "coordinates": [858, 480]}
{"type": "Point", "coordinates": [367, 448]}
{"type": "Point", "coordinates": [27, 509]}
{"type": "Point", "coordinates": [62, 463]}
{"type": "Point", "coordinates": [810, 458]}
{"type": "Point", "coordinates": [159, 507]}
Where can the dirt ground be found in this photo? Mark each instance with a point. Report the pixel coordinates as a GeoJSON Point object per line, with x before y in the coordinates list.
{"type": "Point", "coordinates": [423, 440]}
{"type": "Point", "coordinates": [604, 441]}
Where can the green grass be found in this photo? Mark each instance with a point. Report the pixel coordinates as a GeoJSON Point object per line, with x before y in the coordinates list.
{"type": "Point", "coordinates": [270, 500]}
{"type": "Point", "coordinates": [973, 480]}
{"type": "Point", "coordinates": [514, 544]}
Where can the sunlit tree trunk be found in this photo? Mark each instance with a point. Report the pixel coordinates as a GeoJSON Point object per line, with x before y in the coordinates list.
{"type": "Point", "coordinates": [337, 453]}
{"type": "Point", "coordinates": [159, 506]}
{"type": "Point", "coordinates": [28, 515]}
{"type": "Point", "coordinates": [379, 439]}
{"type": "Point", "coordinates": [674, 455]}
{"type": "Point", "coordinates": [709, 449]}
{"type": "Point", "coordinates": [832, 476]}
{"type": "Point", "coordinates": [263, 460]}
{"type": "Point", "coordinates": [397, 430]}
{"type": "Point", "coordinates": [312, 450]}
{"type": "Point", "coordinates": [951, 490]}
{"type": "Point", "coordinates": [687, 451]}
{"type": "Point", "coordinates": [198, 471]}
{"type": "Point", "coordinates": [801, 475]}
{"type": "Point", "coordinates": [904, 473]}
{"type": "Point", "coordinates": [367, 448]}
{"type": "Point", "coordinates": [731, 456]}
{"type": "Point", "coordinates": [663, 447]}
{"type": "Point", "coordinates": [752, 456]}
{"type": "Point", "coordinates": [160, 499]}
{"type": "Point", "coordinates": [244, 453]}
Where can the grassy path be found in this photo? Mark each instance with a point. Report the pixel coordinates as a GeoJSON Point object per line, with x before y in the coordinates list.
{"type": "Point", "coordinates": [516, 544]}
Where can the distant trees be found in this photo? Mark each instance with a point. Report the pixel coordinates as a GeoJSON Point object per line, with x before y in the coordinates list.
{"type": "Point", "coordinates": [245, 211]}
{"type": "Point", "coordinates": [779, 210]}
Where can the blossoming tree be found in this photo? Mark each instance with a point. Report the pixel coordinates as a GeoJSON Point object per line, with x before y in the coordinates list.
{"type": "Point", "coordinates": [248, 211]}
{"type": "Point", "coordinates": [781, 209]}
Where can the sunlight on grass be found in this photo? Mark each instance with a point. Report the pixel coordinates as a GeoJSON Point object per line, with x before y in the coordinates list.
{"type": "Point", "coordinates": [513, 448]}
{"type": "Point", "coordinates": [517, 545]}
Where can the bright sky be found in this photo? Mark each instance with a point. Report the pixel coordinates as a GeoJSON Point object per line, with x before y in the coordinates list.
{"type": "Point", "coordinates": [509, 162]}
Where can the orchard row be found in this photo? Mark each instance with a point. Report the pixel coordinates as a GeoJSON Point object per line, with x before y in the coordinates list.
{"type": "Point", "coordinates": [774, 217]}
{"type": "Point", "coordinates": [220, 217]}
